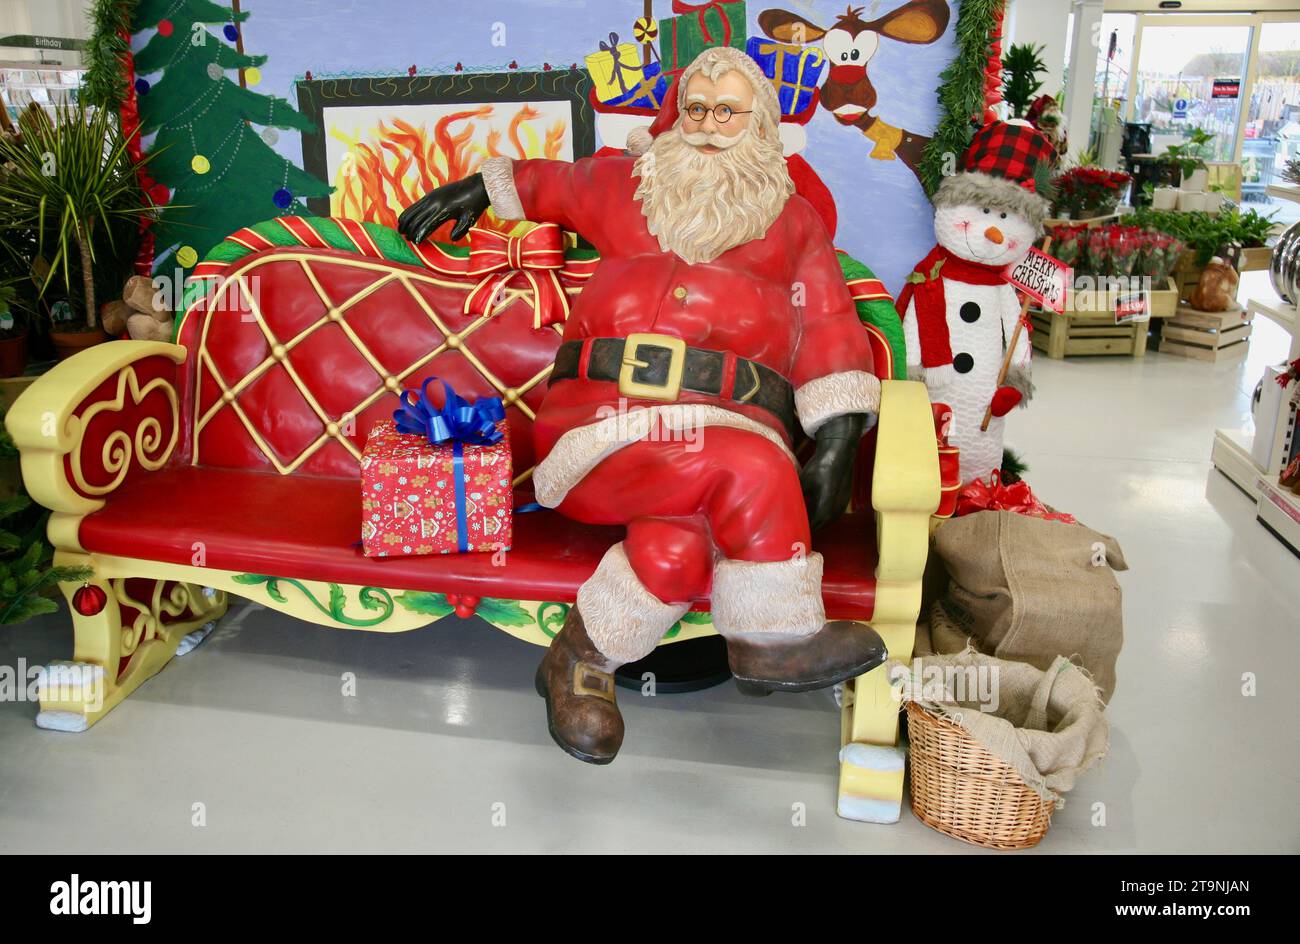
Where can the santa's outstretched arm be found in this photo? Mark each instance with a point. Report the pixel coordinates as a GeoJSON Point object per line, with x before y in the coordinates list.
{"type": "Point", "coordinates": [567, 193]}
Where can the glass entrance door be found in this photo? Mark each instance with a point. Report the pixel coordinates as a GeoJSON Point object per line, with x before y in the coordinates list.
{"type": "Point", "coordinates": [1190, 77]}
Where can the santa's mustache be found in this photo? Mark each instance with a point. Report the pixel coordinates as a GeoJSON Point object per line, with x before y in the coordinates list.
{"type": "Point", "coordinates": [719, 141]}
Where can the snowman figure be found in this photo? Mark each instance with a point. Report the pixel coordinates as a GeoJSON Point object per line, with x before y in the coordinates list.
{"type": "Point", "coordinates": [959, 312]}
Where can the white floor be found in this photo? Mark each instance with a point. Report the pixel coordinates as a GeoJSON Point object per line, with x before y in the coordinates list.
{"type": "Point", "coordinates": [444, 746]}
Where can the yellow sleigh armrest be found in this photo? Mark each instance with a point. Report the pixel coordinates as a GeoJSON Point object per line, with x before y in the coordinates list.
{"type": "Point", "coordinates": [904, 493]}
{"type": "Point", "coordinates": [48, 421]}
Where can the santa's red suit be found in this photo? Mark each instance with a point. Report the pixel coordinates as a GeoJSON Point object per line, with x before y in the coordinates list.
{"type": "Point", "coordinates": [706, 484]}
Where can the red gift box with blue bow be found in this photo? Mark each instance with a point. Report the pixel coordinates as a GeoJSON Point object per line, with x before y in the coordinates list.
{"type": "Point", "coordinates": [437, 480]}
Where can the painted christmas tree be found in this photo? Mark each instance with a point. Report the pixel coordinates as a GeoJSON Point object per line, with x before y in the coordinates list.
{"type": "Point", "coordinates": [216, 134]}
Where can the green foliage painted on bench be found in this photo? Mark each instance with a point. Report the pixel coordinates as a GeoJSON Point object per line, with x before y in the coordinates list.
{"type": "Point", "coordinates": [369, 598]}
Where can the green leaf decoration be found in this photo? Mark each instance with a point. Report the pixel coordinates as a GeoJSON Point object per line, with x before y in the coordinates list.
{"type": "Point", "coordinates": [431, 604]}
{"type": "Point", "coordinates": [698, 618]}
{"type": "Point", "coordinates": [369, 598]}
{"type": "Point", "coordinates": [915, 278]}
{"type": "Point", "coordinates": [934, 273]}
{"type": "Point", "coordinates": [503, 612]}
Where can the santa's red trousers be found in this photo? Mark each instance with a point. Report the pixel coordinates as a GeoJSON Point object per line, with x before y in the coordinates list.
{"type": "Point", "coordinates": [720, 518]}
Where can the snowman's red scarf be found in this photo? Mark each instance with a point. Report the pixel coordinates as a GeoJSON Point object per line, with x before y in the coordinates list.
{"type": "Point", "coordinates": [925, 286]}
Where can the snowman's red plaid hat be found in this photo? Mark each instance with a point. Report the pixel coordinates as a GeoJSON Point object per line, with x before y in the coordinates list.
{"type": "Point", "coordinates": [1001, 169]}
{"type": "Point", "coordinates": [1011, 151]}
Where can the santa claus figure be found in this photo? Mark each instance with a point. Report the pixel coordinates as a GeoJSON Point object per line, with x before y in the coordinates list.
{"type": "Point", "coordinates": [717, 325]}
{"type": "Point", "coordinates": [959, 312]}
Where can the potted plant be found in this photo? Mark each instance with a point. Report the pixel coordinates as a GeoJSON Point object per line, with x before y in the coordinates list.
{"type": "Point", "coordinates": [13, 332]}
{"type": "Point", "coordinates": [1086, 192]}
{"type": "Point", "coordinates": [1021, 65]}
{"type": "Point", "coordinates": [1183, 163]}
{"type": "Point", "coordinates": [70, 202]}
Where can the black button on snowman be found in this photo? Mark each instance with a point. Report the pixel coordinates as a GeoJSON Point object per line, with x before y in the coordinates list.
{"type": "Point", "coordinates": [958, 309]}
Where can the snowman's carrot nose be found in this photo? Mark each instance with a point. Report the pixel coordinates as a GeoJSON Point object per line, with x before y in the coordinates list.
{"type": "Point", "coordinates": [994, 235]}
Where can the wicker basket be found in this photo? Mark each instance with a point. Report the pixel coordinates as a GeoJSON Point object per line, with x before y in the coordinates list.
{"type": "Point", "coordinates": [962, 790]}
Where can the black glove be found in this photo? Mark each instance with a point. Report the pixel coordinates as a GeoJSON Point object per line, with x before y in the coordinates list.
{"type": "Point", "coordinates": [827, 479]}
{"type": "Point", "coordinates": [461, 200]}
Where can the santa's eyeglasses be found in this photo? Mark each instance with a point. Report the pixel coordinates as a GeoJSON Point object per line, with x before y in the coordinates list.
{"type": "Point", "coordinates": [721, 113]}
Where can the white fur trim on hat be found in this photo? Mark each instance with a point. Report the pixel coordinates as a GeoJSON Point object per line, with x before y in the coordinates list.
{"type": "Point", "coordinates": [779, 597]}
{"type": "Point", "coordinates": [823, 399]}
{"type": "Point", "coordinates": [623, 618]}
{"type": "Point", "coordinates": [579, 450]}
{"type": "Point", "coordinates": [639, 140]}
{"type": "Point", "coordinates": [499, 181]}
{"type": "Point", "coordinates": [977, 189]}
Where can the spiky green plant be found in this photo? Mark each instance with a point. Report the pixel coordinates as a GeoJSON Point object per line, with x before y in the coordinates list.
{"type": "Point", "coordinates": [1021, 65]}
{"type": "Point", "coordinates": [64, 181]}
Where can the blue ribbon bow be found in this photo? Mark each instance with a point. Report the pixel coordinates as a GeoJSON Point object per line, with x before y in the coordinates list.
{"type": "Point", "coordinates": [458, 422]}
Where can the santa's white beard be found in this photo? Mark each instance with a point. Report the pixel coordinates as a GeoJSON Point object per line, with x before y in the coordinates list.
{"type": "Point", "coordinates": [700, 205]}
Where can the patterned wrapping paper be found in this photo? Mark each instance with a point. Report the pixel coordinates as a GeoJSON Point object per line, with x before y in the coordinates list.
{"type": "Point", "coordinates": [794, 70]}
{"type": "Point", "coordinates": [699, 26]}
{"type": "Point", "coordinates": [410, 495]}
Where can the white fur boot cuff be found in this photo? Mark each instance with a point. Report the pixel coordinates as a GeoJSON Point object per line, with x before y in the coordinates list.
{"type": "Point", "coordinates": [782, 597]}
{"type": "Point", "coordinates": [623, 618]}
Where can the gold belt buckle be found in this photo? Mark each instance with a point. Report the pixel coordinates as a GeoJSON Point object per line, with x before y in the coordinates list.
{"type": "Point", "coordinates": [672, 385]}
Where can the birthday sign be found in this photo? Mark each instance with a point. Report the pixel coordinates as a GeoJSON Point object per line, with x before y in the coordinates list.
{"type": "Point", "coordinates": [1042, 278]}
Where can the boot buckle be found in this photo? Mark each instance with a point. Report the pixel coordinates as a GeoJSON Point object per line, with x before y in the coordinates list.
{"type": "Point", "coordinates": [589, 680]}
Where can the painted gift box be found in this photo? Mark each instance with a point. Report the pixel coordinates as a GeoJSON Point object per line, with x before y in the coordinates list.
{"type": "Point", "coordinates": [621, 78]}
{"type": "Point", "coordinates": [649, 90]}
{"type": "Point", "coordinates": [697, 27]}
{"type": "Point", "coordinates": [794, 70]}
{"type": "Point", "coordinates": [437, 480]}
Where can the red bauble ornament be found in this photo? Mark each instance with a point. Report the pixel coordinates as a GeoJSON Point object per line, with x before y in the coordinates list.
{"type": "Point", "coordinates": [459, 67]}
{"type": "Point", "coordinates": [89, 599]}
{"type": "Point", "coordinates": [546, 67]}
{"type": "Point", "coordinates": [309, 75]}
{"type": "Point", "coordinates": [514, 64]}
{"type": "Point", "coordinates": [164, 27]}
{"type": "Point", "coordinates": [411, 70]}
{"type": "Point", "coordinates": [160, 194]}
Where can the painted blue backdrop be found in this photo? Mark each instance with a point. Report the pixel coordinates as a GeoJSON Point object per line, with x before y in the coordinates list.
{"type": "Point", "coordinates": [885, 218]}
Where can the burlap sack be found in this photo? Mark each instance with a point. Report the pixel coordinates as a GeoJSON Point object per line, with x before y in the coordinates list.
{"type": "Point", "coordinates": [1047, 725]}
{"type": "Point", "coordinates": [1029, 590]}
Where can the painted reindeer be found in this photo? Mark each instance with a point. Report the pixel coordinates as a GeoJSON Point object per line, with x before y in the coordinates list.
{"type": "Point", "coordinates": [849, 45]}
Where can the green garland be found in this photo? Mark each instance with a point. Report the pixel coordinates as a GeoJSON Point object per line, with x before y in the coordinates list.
{"type": "Point", "coordinates": [105, 85]}
{"type": "Point", "coordinates": [961, 96]}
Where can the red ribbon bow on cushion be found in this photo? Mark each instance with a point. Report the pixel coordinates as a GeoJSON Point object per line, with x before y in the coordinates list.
{"type": "Point", "coordinates": [994, 496]}
{"type": "Point", "coordinates": [538, 256]}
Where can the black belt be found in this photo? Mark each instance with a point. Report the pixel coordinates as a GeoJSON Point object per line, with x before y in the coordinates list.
{"type": "Point", "coordinates": [659, 367]}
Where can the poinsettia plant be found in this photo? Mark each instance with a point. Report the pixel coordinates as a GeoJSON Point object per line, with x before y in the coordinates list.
{"type": "Point", "coordinates": [1089, 191]}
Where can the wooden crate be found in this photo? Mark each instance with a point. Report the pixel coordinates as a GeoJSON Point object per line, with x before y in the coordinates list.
{"type": "Point", "coordinates": [1206, 335]}
{"type": "Point", "coordinates": [1255, 259]}
{"type": "Point", "coordinates": [1091, 331]}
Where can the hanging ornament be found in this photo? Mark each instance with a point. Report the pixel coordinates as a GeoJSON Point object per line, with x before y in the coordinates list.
{"type": "Point", "coordinates": [230, 32]}
{"type": "Point", "coordinates": [160, 194]}
{"type": "Point", "coordinates": [200, 164]}
{"type": "Point", "coordinates": [270, 136]}
{"type": "Point", "coordinates": [164, 27]}
{"type": "Point", "coordinates": [282, 198]}
{"type": "Point", "coordinates": [252, 75]}
{"type": "Point", "coordinates": [215, 72]}
{"type": "Point", "coordinates": [142, 86]}
{"type": "Point", "coordinates": [186, 256]}
{"type": "Point", "coordinates": [89, 599]}
{"type": "Point", "coordinates": [411, 70]}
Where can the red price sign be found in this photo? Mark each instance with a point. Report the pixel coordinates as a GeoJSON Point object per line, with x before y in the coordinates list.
{"type": "Point", "coordinates": [1044, 279]}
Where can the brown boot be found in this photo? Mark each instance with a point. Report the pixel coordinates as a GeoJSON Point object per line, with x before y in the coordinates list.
{"type": "Point", "coordinates": [765, 663]}
{"type": "Point", "coordinates": [578, 685]}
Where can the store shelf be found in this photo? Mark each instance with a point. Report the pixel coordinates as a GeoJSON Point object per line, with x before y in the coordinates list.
{"type": "Point", "coordinates": [1284, 191]}
{"type": "Point", "coordinates": [1279, 510]}
{"type": "Point", "coordinates": [1276, 310]}
{"type": "Point", "coordinates": [1231, 456]}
